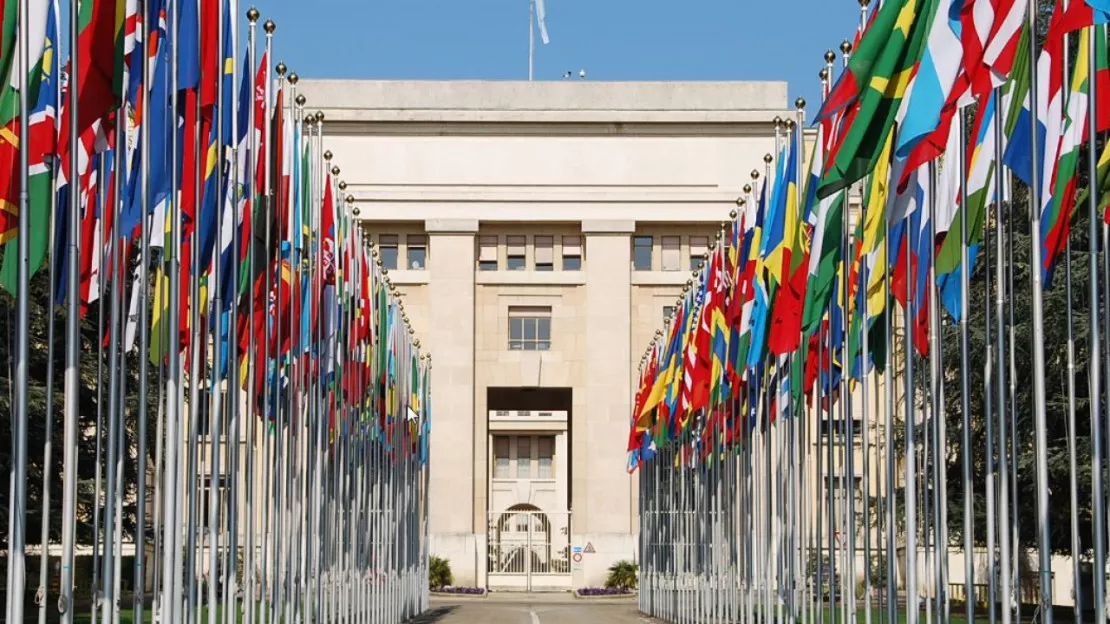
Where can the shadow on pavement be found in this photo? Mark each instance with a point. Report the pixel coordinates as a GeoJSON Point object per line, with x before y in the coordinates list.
{"type": "Point", "coordinates": [434, 615]}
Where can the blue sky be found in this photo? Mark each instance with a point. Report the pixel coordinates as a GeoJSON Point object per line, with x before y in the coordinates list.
{"type": "Point", "coordinates": [610, 39]}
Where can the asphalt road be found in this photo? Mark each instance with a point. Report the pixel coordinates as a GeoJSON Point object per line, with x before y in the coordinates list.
{"type": "Point", "coordinates": [532, 609]}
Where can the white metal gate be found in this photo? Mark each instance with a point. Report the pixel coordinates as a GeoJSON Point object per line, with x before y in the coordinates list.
{"type": "Point", "coordinates": [528, 549]}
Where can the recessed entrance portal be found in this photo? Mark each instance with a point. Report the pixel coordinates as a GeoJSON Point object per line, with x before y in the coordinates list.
{"type": "Point", "coordinates": [529, 521]}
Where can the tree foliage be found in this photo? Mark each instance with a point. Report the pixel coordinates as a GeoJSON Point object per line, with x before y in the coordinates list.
{"type": "Point", "coordinates": [92, 400]}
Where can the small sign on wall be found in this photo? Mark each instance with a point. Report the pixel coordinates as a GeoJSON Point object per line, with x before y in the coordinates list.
{"type": "Point", "coordinates": [576, 557]}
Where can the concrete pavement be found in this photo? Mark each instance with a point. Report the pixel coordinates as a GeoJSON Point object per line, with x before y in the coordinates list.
{"type": "Point", "coordinates": [532, 609]}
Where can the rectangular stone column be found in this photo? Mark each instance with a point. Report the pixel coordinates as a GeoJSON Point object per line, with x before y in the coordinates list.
{"type": "Point", "coordinates": [602, 501]}
{"type": "Point", "coordinates": [451, 266]}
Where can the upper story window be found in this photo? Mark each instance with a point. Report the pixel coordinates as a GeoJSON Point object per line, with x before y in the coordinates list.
{"type": "Point", "coordinates": [699, 246]}
{"type": "Point", "coordinates": [387, 250]}
{"type": "Point", "coordinates": [515, 456]}
{"type": "Point", "coordinates": [487, 253]}
{"type": "Point", "coordinates": [672, 253]}
{"type": "Point", "coordinates": [839, 426]}
{"type": "Point", "coordinates": [668, 311]}
{"type": "Point", "coordinates": [641, 253]}
{"type": "Point", "coordinates": [515, 252]}
{"type": "Point", "coordinates": [529, 329]}
{"type": "Point", "coordinates": [572, 253]}
{"type": "Point", "coordinates": [417, 251]}
{"type": "Point", "coordinates": [545, 253]}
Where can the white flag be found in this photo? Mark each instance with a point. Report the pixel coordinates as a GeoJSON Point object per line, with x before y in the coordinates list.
{"type": "Point", "coordinates": [541, 15]}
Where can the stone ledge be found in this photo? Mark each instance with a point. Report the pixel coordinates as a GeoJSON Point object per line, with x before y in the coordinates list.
{"type": "Point", "coordinates": [451, 226]}
{"type": "Point", "coordinates": [599, 226]}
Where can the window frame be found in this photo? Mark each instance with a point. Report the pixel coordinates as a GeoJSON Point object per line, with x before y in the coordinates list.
{"type": "Point", "coordinates": [390, 242]}
{"type": "Point", "coordinates": [544, 242]}
{"type": "Point", "coordinates": [673, 245]}
{"type": "Point", "coordinates": [487, 242]}
{"type": "Point", "coordinates": [539, 317]}
{"type": "Point", "coordinates": [637, 245]}
{"type": "Point", "coordinates": [574, 255]}
{"type": "Point", "coordinates": [416, 242]}
{"type": "Point", "coordinates": [516, 242]}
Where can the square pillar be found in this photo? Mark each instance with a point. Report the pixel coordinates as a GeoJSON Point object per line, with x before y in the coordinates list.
{"type": "Point", "coordinates": [455, 434]}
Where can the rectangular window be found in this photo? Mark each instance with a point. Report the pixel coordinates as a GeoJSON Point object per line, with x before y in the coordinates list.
{"type": "Point", "coordinates": [545, 253]}
{"type": "Point", "coordinates": [672, 258]}
{"type": "Point", "coordinates": [515, 252]}
{"type": "Point", "coordinates": [699, 246]}
{"type": "Point", "coordinates": [417, 251]}
{"type": "Point", "coordinates": [529, 329]}
{"type": "Point", "coordinates": [545, 453]}
{"type": "Point", "coordinates": [572, 253]}
{"type": "Point", "coordinates": [501, 457]}
{"type": "Point", "coordinates": [641, 253]}
{"type": "Point", "coordinates": [524, 457]}
{"type": "Point", "coordinates": [387, 249]}
{"type": "Point", "coordinates": [668, 312]}
{"type": "Point", "coordinates": [840, 428]}
{"type": "Point", "coordinates": [487, 253]}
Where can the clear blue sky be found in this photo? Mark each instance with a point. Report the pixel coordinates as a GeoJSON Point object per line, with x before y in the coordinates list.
{"type": "Point", "coordinates": [610, 39]}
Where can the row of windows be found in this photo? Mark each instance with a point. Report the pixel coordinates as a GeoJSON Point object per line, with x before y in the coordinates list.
{"type": "Point", "coordinates": [543, 257]}
{"type": "Point", "coordinates": [416, 251]}
{"type": "Point", "coordinates": [643, 252]}
{"type": "Point", "coordinates": [523, 457]}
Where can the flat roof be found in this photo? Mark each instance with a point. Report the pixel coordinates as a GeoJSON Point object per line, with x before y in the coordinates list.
{"type": "Point", "coordinates": [570, 100]}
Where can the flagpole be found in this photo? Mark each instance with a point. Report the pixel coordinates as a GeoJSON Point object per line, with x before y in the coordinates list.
{"type": "Point", "coordinates": [1039, 393]}
{"type": "Point", "coordinates": [253, 158]}
{"type": "Point", "coordinates": [17, 510]}
{"type": "Point", "coordinates": [1097, 485]}
{"type": "Point", "coordinates": [48, 445]}
{"type": "Point", "coordinates": [1073, 484]}
{"type": "Point", "coordinates": [1002, 497]}
{"type": "Point", "coordinates": [73, 348]}
{"type": "Point", "coordinates": [531, 38]}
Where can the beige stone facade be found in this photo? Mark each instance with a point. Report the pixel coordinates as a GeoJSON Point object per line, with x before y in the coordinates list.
{"type": "Point", "coordinates": [531, 200]}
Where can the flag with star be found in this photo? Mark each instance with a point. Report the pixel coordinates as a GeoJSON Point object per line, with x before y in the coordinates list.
{"type": "Point", "coordinates": [880, 70]}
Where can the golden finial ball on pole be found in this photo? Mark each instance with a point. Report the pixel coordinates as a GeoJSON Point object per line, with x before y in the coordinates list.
{"type": "Point", "coordinates": [335, 170]}
{"type": "Point", "coordinates": [800, 103]}
{"type": "Point", "coordinates": [830, 56]}
{"type": "Point", "coordinates": [319, 116]}
{"type": "Point", "coordinates": [269, 27]}
{"type": "Point", "coordinates": [767, 158]}
{"type": "Point", "coordinates": [301, 100]}
{"type": "Point", "coordinates": [343, 187]}
{"type": "Point", "coordinates": [252, 15]}
{"type": "Point", "coordinates": [327, 155]}
{"type": "Point", "coordinates": [294, 79]}
{"type": "Point", "coordinates": [845, 47]}
{"type": "Point", "coordinates": [281, 68]}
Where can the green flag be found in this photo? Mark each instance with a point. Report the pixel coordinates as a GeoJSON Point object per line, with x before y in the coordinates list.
{"type": "Point", "coordinates": [878, 75]}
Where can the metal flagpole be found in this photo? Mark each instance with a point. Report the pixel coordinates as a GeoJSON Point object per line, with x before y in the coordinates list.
{"type": "Point", "coordinates": [17, 510]}
{"type": "Point", "coordinates": [1043, 523]}
{"type": "Point", "coordinates": [252, 193]}
{"type": "Point", "coordinates": [1073, 484]}
{"type": "Point", "coordinates": [1097, 486]}
{"type": "Point", "coordinates": [965, 382]}
{"type": "Point", "coordinates": [531, 37]}
{"type": "Point", "coordinates": [1000, 384]}
{"type": "Point", "coordinates": [139, 577]}
{"type": "Point", "coordinates": [73, 353]}
{"type": "Point", "coordinates": [48, 445]}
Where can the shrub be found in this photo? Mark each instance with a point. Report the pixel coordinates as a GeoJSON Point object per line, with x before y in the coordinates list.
{"type": "Point", "coordinates": [623, 575]}
{"type": "Point", "coordinates": [602, 591]}
{"type": "Point", "coordinates": [439, 573]}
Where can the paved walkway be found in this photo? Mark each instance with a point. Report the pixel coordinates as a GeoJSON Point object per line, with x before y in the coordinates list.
{"type": "Point", "coordinates": [532, 609]}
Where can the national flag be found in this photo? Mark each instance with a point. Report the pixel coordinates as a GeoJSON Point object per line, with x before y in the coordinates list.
{"type": "Point", "coordinates": [940, 70]}
{"type": "Point", "coordinates": [879, 73]}
{"type": "Point", "coordinates": [42, 143]}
